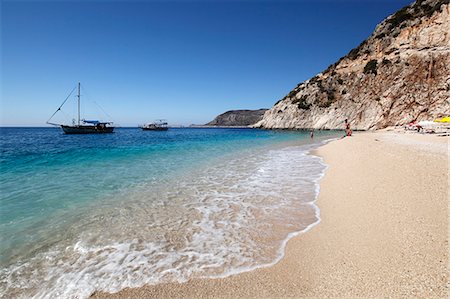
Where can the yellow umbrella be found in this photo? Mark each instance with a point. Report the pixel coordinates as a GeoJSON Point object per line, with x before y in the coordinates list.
{"type": "Point", "coordinates": [443, 120]}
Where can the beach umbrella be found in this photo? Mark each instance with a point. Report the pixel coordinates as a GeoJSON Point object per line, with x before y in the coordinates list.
{"type": "Point", "coordinates": [426, 123]}
{"type": "Point", "coordinates": [443, 120]}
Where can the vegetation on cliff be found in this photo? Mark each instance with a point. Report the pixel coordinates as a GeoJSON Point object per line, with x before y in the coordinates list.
{"type": "Point", "coordinates": [399, 74]}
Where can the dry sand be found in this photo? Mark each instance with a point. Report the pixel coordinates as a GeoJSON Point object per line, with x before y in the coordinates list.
{"type": "Point", "coordinates": [384, 229]}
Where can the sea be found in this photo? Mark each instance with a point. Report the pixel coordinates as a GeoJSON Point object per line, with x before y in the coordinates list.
{"type": "Point", "coordinates": [87, 213]}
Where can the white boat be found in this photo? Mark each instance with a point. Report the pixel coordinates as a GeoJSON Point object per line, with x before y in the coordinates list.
{"type": "Point", "coordinates": [158, 125]}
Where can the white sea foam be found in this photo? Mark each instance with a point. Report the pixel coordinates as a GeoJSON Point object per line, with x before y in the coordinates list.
{"type": "Point", "coordinates": [221, 219]}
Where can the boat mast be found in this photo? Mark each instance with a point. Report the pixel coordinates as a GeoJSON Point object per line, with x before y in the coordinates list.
{"type": "Point", "coordinates": [78, 103]}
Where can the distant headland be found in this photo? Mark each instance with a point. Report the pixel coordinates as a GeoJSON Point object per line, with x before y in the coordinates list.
{"type": "Point", "coordinates": [236, 118]}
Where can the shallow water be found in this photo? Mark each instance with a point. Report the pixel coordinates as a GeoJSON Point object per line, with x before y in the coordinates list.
{"type": "Point", "coordinates": [105, 212]}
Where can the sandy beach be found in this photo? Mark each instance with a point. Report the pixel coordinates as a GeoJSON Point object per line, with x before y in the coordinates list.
{"type": "Point", "coordinates": [383, 233]}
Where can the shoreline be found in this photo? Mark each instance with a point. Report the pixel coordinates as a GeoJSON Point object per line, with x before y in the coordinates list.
{"type": "Point", "coordinates": [359, 247]}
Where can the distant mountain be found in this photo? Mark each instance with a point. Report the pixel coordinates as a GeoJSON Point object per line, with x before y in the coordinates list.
{"type": "Point", "coordinates": [238, 118]}
{"type": "Point", "coordinates": [401, 73]}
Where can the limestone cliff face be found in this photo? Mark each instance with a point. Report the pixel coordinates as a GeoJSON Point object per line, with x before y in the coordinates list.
{"type": "Point", "coordinates": [238, 118]}
{"type": "Point", "coordinates": [401, 73]}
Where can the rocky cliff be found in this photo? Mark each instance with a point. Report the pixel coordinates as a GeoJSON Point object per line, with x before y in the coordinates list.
{"type": "Point", "coordinates": [401, 73]}
{"type": "Point", "coordinates": [238, 118]}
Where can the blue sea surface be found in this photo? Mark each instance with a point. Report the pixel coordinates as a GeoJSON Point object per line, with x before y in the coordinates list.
{"type": "Point", "coordinates": [57, 188]}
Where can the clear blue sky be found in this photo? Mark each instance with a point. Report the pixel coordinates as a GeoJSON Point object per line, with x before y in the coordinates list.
{"type": "Point", "coordinates": [186, 61]}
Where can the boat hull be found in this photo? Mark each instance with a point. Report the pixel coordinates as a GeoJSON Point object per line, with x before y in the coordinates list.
{"type": "Point", "coordinates": [87, 129]}
{"type": "Point", "coordinates": [155, 129]}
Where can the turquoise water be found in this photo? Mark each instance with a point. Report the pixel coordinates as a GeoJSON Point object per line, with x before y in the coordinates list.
{"type": "Point", "coordinates": [103, 212]}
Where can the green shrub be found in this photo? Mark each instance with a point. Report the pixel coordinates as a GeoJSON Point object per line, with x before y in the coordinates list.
{"type": "Point", "coordinates": [292, 93]}
{"type": "Point", "coordinates": [429, 10]}
{"type": "Point", "coordinates": [301, 103]}
{"type": "Point", "coordinates": [354, 53]}
{"type": "Point", "coordinates": [330, 68]}
{"type": "Point", "coordinates": [320, 85]}
{"type": "Point", "coordinates": [331, 98]}
{"type": "Point", "coordinates": [385, 61]}
{"type": "Point", "coordinates": [371, 67]}
{"type": "Point", "coordinates": [399, 17]}
{"type": "Point", "coordinates": [330, 95]}
{"type": "Point", "coordinates": [314, 79]}
{"type": "Point", "coordinates": [414, 11]}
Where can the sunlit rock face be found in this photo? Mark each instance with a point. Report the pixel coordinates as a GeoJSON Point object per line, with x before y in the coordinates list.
{"type": "Point", "coordinates": [401, 73]}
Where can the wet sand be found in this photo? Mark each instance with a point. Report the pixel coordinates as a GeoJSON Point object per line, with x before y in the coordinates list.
{"type": "Point", "coordinates": [384, 230]}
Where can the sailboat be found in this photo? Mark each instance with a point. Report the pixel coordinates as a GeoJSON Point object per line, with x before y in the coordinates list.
{"type": "Point", "coordinates": [83, 126]}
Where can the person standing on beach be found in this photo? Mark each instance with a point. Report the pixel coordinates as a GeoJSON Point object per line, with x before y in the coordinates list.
{"type": "Point", "coordinates": [312, 133]}
{"type": "Point", "coordinates": [348, 131]}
